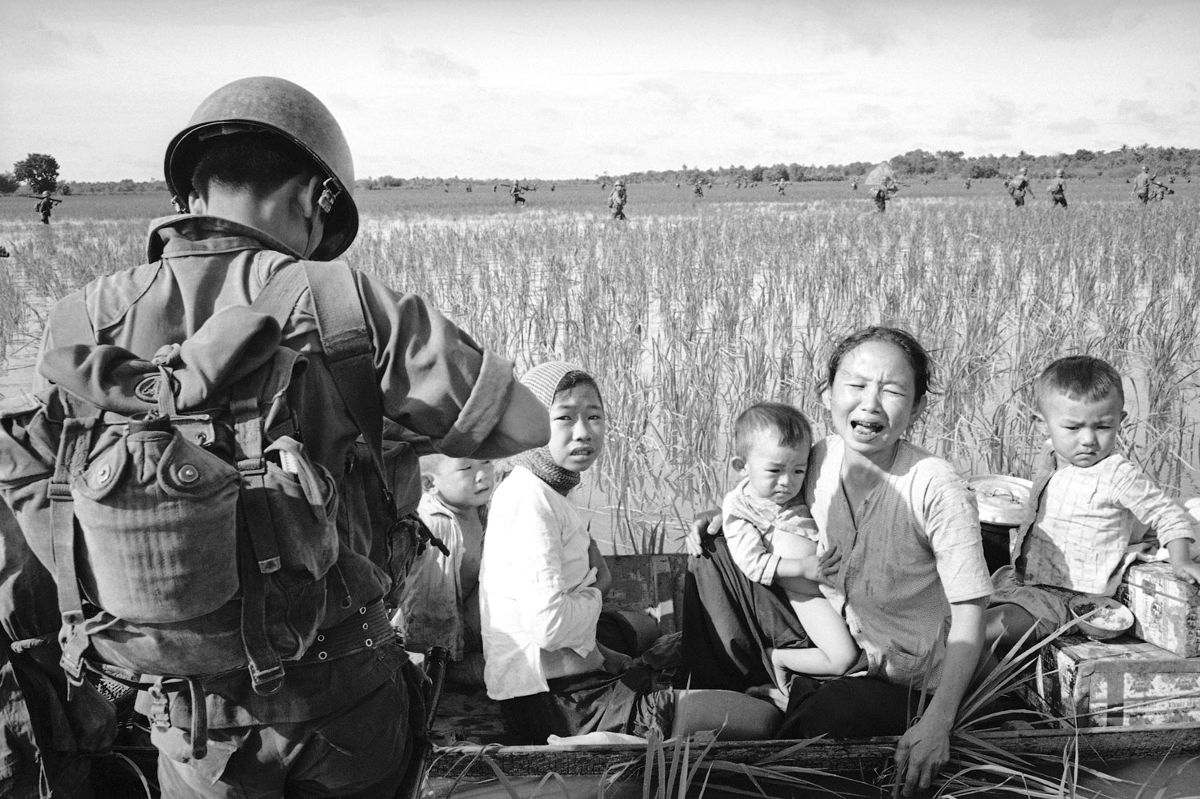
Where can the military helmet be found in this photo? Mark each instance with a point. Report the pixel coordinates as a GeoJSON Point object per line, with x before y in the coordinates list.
{"type": "Point", "coordinates": [45, 194]}
{"type": "Point", "coordinates": [1059, 172]}
{"type": "Point", "coordinates": [619, 183]}
{"type": "Point", "coordinates": [277, 106]}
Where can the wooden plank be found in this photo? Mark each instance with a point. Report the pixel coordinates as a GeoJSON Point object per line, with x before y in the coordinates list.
{"type": "Point", "coordinates": [842, 757]}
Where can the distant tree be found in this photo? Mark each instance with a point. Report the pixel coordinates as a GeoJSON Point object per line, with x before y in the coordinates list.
{"type": "Point", "coordinates": [40, 171]}
{"type": "Point", "coordinates": [64, 189]}
{"type": "Point", "coordinates": [8, 183]}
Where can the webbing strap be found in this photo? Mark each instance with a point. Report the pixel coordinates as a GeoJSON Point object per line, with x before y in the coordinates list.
{"type": "Point", "coordinates": [350, 355]}
{"type": "Point", "coordinates": [72, 459]}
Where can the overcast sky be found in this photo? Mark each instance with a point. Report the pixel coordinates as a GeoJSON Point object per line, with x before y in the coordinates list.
{"type": "Point", "coordinates": [573, 89]}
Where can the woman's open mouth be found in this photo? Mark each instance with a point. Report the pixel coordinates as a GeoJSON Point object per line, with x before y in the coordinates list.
{"type": "Point", "coordinates": [865, 430]}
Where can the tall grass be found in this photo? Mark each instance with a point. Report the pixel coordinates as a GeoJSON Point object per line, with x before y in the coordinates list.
{"type": "Point", "coordinates": [692, 310]}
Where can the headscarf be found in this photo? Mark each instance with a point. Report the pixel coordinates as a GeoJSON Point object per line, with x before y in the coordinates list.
{"type": "Point", "coordinates": [544, 381]}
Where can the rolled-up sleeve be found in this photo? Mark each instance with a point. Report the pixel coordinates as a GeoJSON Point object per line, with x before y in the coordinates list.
{"type": "Point", "coordinates": [1150, 505]}
{"type": "Point", "coordinates": [434, 378]}
{"type": "Point", "coordinates": [952, 524]}
{"type": "Point", "coordinates": [748, 551]}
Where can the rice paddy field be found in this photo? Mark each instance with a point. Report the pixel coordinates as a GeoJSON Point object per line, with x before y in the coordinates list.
{"type": "Point", "coordinates": [696, 307]}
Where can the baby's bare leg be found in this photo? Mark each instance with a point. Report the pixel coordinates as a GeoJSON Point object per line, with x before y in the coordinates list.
{"type": "Point", "coordinates": [833, 651]}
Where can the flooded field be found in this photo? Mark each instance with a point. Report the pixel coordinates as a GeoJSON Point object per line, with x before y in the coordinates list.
{"type": "Point", "coordinates": [697, 307]}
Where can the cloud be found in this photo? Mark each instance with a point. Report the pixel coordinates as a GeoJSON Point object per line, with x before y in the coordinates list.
{"type": "Point", "coordinates": [1142, 111]}
{"type": "Point", "coordinates": [992, 121]}
{"type": "Point", "coordinates": [36, 46]}
{"type": "Point", "coordinates": [1072, 20]}
{"type": "Point", "coordinates": [421, 62]}
{"type": "Point", "coordinates": [1076, 126]}
{"type": "Point", "coordinates": [674, 99]}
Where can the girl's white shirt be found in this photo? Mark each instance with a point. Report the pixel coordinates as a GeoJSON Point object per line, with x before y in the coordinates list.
{"type": "Point", "coordinates": [537, 598]}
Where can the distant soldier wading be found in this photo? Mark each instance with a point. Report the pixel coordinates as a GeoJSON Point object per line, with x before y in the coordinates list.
{"type": "Point", "coordinates": [617, 200]}
{"type": "Point", "coordinates": [45, 206]}
{"type": "Point", "coordinates": [1058, 189]}
{"type": "Point", "coordinates": [1018, 187]}
{"type": "Point", "coordinates": [263, 177]}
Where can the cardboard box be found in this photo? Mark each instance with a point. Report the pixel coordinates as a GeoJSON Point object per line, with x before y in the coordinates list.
{"type": "Point", "coordinates": [649, 584]}
{"type": "Point", "coordinates": [1115, 683]}
{"type": "Point", "coordinates": [1166, 609]}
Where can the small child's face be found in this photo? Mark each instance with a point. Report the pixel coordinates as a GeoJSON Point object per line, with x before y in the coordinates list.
{"type": "Point", "coordinates": [465, 482]}
{"type": "Point", "coordinates": [577, 427]}
{"type": "Point", "coordinates": [1082, 432]}
{"type": "Point", "coordinates": [775, 471]}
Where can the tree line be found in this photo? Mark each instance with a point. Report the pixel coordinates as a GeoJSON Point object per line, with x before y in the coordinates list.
{"type": "Point", "coordinates": [39, 171]}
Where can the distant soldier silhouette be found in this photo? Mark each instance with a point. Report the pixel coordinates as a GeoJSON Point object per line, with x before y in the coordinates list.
{"type": "Point", "coordinates": [1058, 189]}
{"type": "Point", "coordinates": [517, 193]}
{"type": "Point", "coordinates": [1141, 185]}
{"type": "Point", "coordinates": [779, 186]}
{"type": "Point", "coordinates": [854, 185]}
{"type": "Point", "coordinates": [1018, 186]}
{"type": "Point", "coordinates": [1160, 190]}
{"type": "Point", "coordinates": [698, 189]}
{"type": "Point", "coordinates": [45, 206]}
{"type": "Point", "coordinates": [967, 183]}
{"type": "Point", "coordinates": [617, 200]}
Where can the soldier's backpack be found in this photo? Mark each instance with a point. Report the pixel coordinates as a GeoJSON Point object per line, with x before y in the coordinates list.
{"type": "Point", "coordinates": [187, 530]}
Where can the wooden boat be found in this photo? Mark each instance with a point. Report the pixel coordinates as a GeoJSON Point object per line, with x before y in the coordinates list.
{"type": "Point", "coordinates": [467, 726]}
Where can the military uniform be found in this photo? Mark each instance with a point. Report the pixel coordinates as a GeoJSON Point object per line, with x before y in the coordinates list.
{"type": "Point", "coordinates": [617, 200]}
{"type": "Point", "coordinates": [349, 714]}
{"type": "Point", "coordinates": [45, 207]}
{"type": "Point", "coordinates": [1018, 186]}
{"type": "Point", "coordinates": [207, 264]}
{"type": "Point", "coordinates": [1141, 186]}
{"type": "Point", "coordinates": [1058, 191]}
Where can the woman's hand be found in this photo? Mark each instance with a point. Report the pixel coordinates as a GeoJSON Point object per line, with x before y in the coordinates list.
{"type": "Point", "coordinates": [614, 662]}
{"type": "Point", "coordinates": [920, 755]}
{"type": "Point", "coordinates": [828, 564]}
{"type": "Point", "coordinates": [706, 523]}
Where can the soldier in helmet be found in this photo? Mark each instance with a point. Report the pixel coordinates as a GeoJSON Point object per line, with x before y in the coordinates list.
{"type": "Point", "coordinates": [1141, 185]}
{"type": "Point", "coordinates": [1018, 186]}
{"type": "Point", "coordinates": [46, 205]}
{"type": "Point", "coordinates": [262, 177]}
{"type": "Point", "coordinates": [1058, 189]}
{"type": "Point", "coordinates": [517, 192]}
{"type": "Point", "coordinates": [617, 200]}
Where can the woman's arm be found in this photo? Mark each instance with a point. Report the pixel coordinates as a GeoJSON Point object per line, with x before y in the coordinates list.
{"type": "Point", "coordinates": [925, 748]}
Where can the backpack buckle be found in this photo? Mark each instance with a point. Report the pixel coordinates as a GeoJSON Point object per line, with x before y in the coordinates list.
{"type": "Point", "coordinates": [266, 681]}
{"type": "Point", "coordinates": [74, 642]}
{"type": "Point", "coordinates": [160, 711]}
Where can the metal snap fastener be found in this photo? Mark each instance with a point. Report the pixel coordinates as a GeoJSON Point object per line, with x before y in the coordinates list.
{"type": "Point", "coordinates": [188, 473]}
{"type": "Point", "coordinates": [322, 655]}
{"type": "Point", "coordinates": [369, 642]}
{"type": "Point", "coordinates": [362, 611]}
{"type": "Point", "coordinates": [321, 637]}
{"type": "Point", "coordinates": [103, 474]}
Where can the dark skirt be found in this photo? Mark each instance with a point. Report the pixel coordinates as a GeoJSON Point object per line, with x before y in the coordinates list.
{"type": "Point", "coordinates": [634, 702]}
{"type": "Point", "coordinates": [730, 621]}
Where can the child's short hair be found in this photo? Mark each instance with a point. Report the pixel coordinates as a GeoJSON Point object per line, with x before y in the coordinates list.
{"type": "Point", "coordinates": [775, 417]}
{"type": "Point", "coordinates": [1079, 376]}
